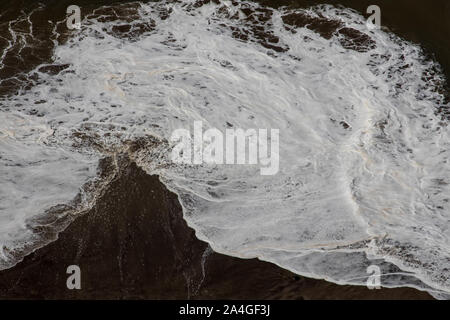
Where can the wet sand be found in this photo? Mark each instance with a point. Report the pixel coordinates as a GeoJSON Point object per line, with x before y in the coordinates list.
{"type": "Point", "coordinates": [135, 244]}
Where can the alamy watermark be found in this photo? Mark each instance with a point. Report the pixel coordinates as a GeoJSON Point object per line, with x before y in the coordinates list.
{"type": "Point", "coordinates": [74, 280]}
{"type": "Point", "coordinates": [374, 21]}
{"type": "Point", "coordinates": [73, 17]}
{"type": "Point", "coordinates": [374, 280]}
{"type": "Point", "coordinates": [236, 146]}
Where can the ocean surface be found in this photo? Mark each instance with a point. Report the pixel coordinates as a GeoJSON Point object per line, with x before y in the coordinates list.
{"type": "Point", "coordinates": [363, 118]}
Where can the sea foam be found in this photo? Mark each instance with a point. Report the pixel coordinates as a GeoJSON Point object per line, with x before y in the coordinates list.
{"type": "Point", "coordinates": [364, 152]}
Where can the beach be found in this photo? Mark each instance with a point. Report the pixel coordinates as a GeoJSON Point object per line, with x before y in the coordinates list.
{"type": "Point", "coordinates": [134, 244]}
{"type": "Point", "coordinates": [131, 238]}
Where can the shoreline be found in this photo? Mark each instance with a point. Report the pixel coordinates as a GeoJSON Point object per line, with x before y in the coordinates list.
{"type": "Point", "coordinates": [135, 244]}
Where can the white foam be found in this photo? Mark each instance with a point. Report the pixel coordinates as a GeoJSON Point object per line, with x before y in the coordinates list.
{"type": "Point", "coordinates": [375, 192]}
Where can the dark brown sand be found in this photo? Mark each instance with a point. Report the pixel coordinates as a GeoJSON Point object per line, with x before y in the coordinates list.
{"type": "Point", "coordinates": [135, 244]}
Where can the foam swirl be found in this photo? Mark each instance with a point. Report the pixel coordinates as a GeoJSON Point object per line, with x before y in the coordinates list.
{"type": "Point", "coordinates": [364, 147]}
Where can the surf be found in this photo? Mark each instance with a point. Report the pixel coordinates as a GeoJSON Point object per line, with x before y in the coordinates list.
{"type": "Point", "coordinates": [363, 149]}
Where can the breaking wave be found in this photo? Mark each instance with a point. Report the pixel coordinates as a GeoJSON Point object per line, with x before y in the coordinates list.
{"type": "Point", "coordinates": [364, 142]}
